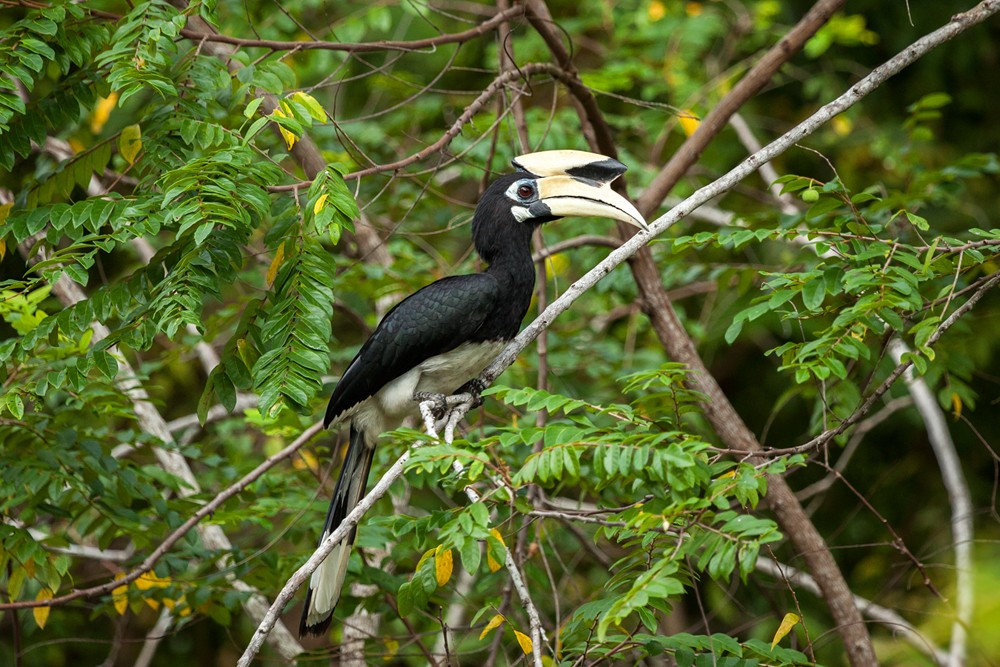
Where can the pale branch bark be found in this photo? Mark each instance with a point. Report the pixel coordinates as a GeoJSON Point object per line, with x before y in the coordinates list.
{"type": "Point", "coordinates": [767, 171]}
{"type": "Point", "coordinates": [882, 615]}
{"type": "Point", "coordinates": [301, 575]}
{"type": "Point", "coordinates": [152, 422]}
{"type": "Point", "coordinates": [536, 632]}
{"type": "Point", "coordinates": [76, 550]}
{"type": "Point", "coordinates": [153, 639]}
{"type": "Point", "coordinates": [958, 496]}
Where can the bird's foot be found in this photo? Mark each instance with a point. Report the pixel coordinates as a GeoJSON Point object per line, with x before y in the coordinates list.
{"type": "Point", "coordinates": [433, 408]}
{"type": "Point", "coordinates": [474, 389]}
{"type": "Point", "coordinates": [436, 403]}
{"type": "Point", "coordinates": [441, 411]}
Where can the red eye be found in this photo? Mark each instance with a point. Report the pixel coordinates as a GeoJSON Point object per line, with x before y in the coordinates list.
{"type": "Point", "coordinates": [525, 191]}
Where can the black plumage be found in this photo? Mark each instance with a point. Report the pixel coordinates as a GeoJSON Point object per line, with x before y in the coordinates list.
{"type": "Point", "coordinates": [444, 335]}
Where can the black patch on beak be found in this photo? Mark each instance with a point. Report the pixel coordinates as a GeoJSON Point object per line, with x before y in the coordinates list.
{"type": "Point", "coordinates": [604, 171]}
{"type": "Point", "coordinates": [539, 209]}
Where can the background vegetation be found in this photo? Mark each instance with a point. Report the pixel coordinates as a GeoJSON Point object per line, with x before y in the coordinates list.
{"type": "Point", "coordinates": [205, 207]}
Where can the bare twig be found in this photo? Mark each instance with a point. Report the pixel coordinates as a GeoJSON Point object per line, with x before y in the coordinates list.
{"type": "Point", "coordinates": [299, 577]}
{"type": "Point", "coordinates": [958, 496]}
{"type": "Point", "coordinates": [883, 615]}
{"type": "Point", "coordinates": [206, 510]}
{"type": "Point", "coordinates": [430, 43]}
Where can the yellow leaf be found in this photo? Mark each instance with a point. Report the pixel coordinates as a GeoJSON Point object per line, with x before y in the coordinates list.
{"type": "Point", "coordinates": [524, 640]}
{"type": "Point", "coordinates": [309, 102]}
{"type": "Point", "coordinates": [119, 596]}
{"type": "Point", "coordinates": [656, 11]}
{"type": "Point", "coordinates": [693, 9]}
{"type": "Point", "coordinates": [130, 143]}
{"type": "Point", "coordinates": [181, 603]}
{"type": "Point", "coordinates": [3, 246]}
{"type": "Point", "coordinates": [492, 625]}
{"type": "Point", "coordinates": [289, 137]}
{"type": "Point", "coordinates": [443, 565]}
{"type": "Point", "coordinates": [149, 580]}
{"type": "Point", "coordinates": [320, 204]}
{"type": "Point", "coordinates": [787, 623]}
{"type": "Point", "coordinates": [490, 561]}
{"type": "Point", "coordinates": [688, 122]}
{"type": "Point", "coordinates": [102, 112]}
{"type": "Point", "coordinates": [279, 258]}
{"type": "Point", "coordinates": [306, 461]}
{"type": "Point", "coordinates": [956, 400]}
{"type": "Point", "coordinates": [41, 614]}
{"type": "Point", "coordinates": [842, 125]}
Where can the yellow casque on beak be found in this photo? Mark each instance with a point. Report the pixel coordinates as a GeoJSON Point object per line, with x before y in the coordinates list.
{"type": "Point", "coordinates": [578, 183]}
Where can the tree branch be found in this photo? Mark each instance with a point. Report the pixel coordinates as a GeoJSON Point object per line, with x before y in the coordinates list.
{"type": "Point", "coordinates": [360, 47]}
{"type": "Point", "coordinates": [883, 615]}
{"type": "Point", "coordinates": [725, 419]}
{"type": "Point", "coordinates": [958, 496]}
{"type": "Point", "coordinates": [748, 86]}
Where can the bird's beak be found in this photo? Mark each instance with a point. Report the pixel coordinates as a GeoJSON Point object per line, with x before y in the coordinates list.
{"type": "Point", "coordinates": [577, 183]}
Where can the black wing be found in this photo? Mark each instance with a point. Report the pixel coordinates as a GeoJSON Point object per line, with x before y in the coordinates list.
{"type": "Point", "coordinates": [432, 321]}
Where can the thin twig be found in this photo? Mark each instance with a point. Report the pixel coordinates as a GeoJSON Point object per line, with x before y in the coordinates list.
{"type": "Point", "coordinates": [958, 496]}
{"type": "Point", "coordinates": [361, 47]}
{"type": "Point", "coordinates": [206, 510]}
{"type": "Point", "coordinates": [883, 615]}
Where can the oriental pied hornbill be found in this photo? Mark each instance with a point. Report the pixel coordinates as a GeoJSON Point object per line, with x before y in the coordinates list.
{"type": "Point", "coordinates": [438, 340]}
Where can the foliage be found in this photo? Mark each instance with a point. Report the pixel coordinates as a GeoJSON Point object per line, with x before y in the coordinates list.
{"type": "Point", "coordinates": [156, 212]}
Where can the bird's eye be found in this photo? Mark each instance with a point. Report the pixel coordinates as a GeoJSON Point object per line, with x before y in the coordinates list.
{"type": "Point", "coordinates": [525, 191]}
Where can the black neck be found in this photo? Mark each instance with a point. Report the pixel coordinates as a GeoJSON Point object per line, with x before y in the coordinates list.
{"type": "Point", "coordinates": [505, 245]}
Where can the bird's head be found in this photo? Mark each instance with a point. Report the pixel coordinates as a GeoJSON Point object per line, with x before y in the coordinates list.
{"type": "Point", "coordinates": [547, 186]}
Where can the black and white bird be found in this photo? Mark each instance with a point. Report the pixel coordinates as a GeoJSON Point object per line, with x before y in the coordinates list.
{"type": "Point", "coordinates": [439, 339]}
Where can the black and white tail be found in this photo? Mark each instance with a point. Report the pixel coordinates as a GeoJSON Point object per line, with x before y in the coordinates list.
{"type": "Point", "coordinates": [328, 579]}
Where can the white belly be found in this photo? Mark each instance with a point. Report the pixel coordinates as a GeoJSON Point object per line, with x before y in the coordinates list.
{"type": "Point", "coordinates": [441, 374]}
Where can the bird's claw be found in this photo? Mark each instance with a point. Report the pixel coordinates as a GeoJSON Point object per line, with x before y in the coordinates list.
{"type": "Point", "coordinates": [439, 410]}
{"type": "Point", "coordinates": [436, 403]}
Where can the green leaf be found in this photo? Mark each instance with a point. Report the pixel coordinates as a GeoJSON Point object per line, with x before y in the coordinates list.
{"type": "Point", "coordinates": [813, 293]}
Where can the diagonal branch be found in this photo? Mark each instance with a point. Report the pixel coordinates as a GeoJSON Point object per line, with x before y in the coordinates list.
{"type": "Point", "coordinates": [878, 613]}
{"type": "Point", "coordinates": [748, 86]}
{"type": "Point", "coordinates": [958, 496]}
{"type": "Point", "coordinates": [720, 411]}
